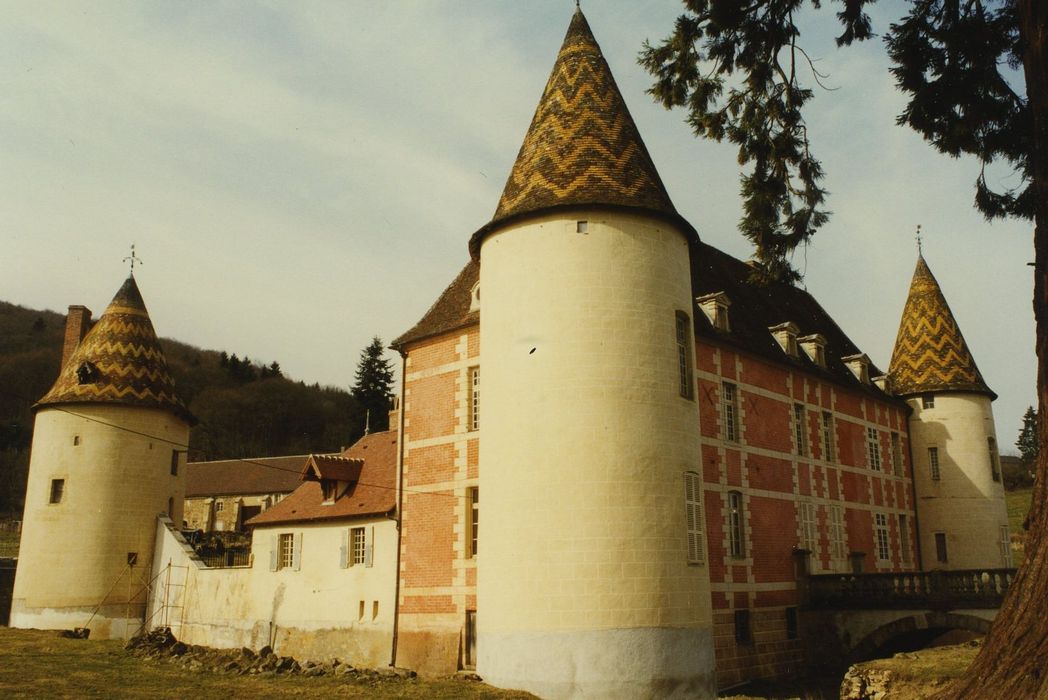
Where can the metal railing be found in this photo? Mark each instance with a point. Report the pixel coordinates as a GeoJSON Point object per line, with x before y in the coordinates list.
{"type": "Point", "coordinates": [227, 559]}
{"type": "Point", "coordinates": [941, 590]}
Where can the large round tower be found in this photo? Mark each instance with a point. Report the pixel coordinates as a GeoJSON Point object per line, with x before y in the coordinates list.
{"type": "Point", "coordinates": [108, 453]}
{"type": "Point", "coordinates": [586, 583]}
{"type": "Point", "coordinates": [961, 511]}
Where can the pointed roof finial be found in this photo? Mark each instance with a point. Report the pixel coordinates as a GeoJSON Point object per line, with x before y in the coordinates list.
{"type": "Point", "coordinates": [133, 259]}
{"type": "Point", "coordinates": [920, 252]}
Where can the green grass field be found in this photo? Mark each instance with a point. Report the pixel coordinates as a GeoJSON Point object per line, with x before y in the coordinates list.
{"type": "Point", "coordinates": [1018, 506]}
{"type": "Point", "coordinates": [39, 664]}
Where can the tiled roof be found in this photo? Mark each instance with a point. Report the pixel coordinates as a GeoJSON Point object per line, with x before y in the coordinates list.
{"type": "Point", "coordinates": [233, 477]}
{"type": "Point", "coordinates": [119, 361]}
{"type": "Point", "coordinates": [450, 311]}
{"type": "Point", "coordinates": [373, 494]}
{"type": "Point", "coordinates": [583, 148]}
{"type": "Point", "coordinates": [930, 353]}
{"type": "Point", "coordinates": [754, 309]}
{"type": "Point", "coordinates": [331, 467]}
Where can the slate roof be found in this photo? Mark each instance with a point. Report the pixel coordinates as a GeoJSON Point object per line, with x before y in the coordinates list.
{"type": "Point", "coordinates": [930, 354]}
{"type": "Point", "coordinates": [239, 477]}
{"type": "Point", "coordinates": [119, 361]}
{"type": "Point", "coordinates": [373, 494]}
{"type": "Point", "coordinates": [754, 309]}
{"type": "Point", "coordinates": [583, 147]}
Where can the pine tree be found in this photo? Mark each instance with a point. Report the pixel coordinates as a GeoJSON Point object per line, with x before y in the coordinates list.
{"type": "Point", "coordinates": [374, 383]}
{"type": "Point", "coordinates": [1027, 442]}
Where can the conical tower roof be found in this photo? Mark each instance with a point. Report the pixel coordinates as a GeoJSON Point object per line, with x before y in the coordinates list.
{"type": "Point", "coordinates": [930, 353]}
{"type": "Point", "coordinates": [119, 361]}
{"type": "Point", "coordinates": [582, 148]}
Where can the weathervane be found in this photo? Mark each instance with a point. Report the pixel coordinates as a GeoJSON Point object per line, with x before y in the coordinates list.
{"type": "Point", "coordinates": [133, 259]}
{"type": "Point", "coordinates": [919, 251]}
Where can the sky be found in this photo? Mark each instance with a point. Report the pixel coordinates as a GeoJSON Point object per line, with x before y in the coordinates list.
{"type": "Point", "coordinates": [300, 177]}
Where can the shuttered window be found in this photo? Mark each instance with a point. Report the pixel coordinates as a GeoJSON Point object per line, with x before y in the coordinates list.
{"type": "Point", "coordinates": [693, 515]}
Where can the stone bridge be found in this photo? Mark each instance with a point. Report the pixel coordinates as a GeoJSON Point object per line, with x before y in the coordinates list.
{"type": "Point", "coordinates": [853, 617]}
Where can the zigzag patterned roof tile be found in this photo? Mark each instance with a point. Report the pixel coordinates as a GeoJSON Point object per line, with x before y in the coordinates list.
{"type": "Point", "coordinates": [930, 354]}
{"type": "Point", "coordinates": [583, 147]}
{"type": "Point", "coordinates": [119, 361]}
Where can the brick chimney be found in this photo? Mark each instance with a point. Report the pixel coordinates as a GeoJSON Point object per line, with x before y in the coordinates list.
{"type": "Point", "coordinates": [78, 322]}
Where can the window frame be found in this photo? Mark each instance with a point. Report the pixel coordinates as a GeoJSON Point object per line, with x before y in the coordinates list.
{"type": "Point", "coordinates": [685, 356]}
{"type": "Point", "coordinates": [829, 442]}
{"type": "Point", "coordinates": [995, 463]}
{"type": "Point", "coordinates": [736, 525]}
{"type": "Point", "coordinates": [800, 434]}
{"type": "Point", "coordinates": [695, 527]}
{"type": "Point", "coordinates": [285, 550]}
{"type": "Point", "coordinates": [838, 535]}
{"type": "Point", "coordinates": [358, 545]}
{"type": "Point", "coordinates": [934, 464]}
{"type": "Point", "coordinates": [927, 401]}
{"type": "Point", "coordinates": [882, 537]}
{"type": "Point", "coordinates": [473, 521]}
{"type": "Point", "coordinates": [905, 544]}
{"type": "Point", "coordinates": [873, 449]}
{"type": "Point", "coordinates": [897, 460]}
{"type": "Point", "coordinates": [732, 428]}
{"type": "Point", "coordinates": [473, 377]}
{"type": "Point", "coordinates": [56, 494]}
{"type": "Point", "coordinates": [942, 554]}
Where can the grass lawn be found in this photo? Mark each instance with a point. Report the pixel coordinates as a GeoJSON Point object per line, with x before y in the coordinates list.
{"type": "Point", "coordinates": [1018, 506]}
{"type": "Point", "coordinates": [36, 663]}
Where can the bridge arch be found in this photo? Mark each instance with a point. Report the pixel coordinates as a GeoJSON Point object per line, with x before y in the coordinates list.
{"type": "Point", "coordinates": [918, 625]}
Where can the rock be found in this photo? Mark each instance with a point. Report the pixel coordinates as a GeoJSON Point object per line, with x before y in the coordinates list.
{"type": "Point", "coordinates": [231, 666]}
{"type": "Point", "coordinates": [314, 672]}
{"type": "Point", "coordinates": [463, 676]}
{"type": "Point", "coordinates": [861, 683]}
{"type": "Point", "coordinates": [265, 651]}
{"type": "Point", "coordinates": [247, 653]}
{"type": "Point", "coordinates": [178, 649]}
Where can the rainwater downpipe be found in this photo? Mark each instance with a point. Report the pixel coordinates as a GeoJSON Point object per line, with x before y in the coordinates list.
{"type": "Point", "coordinates": [400, 504]}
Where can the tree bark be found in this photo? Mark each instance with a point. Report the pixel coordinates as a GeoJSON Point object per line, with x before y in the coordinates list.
{"type": "Point", "coordinates": [1013, 662]}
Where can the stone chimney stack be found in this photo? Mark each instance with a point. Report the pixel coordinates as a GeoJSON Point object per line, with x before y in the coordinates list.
{"type": "Point", "coordinates": [78, 322]}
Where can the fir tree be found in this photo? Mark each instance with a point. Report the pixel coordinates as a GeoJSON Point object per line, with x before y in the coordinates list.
{"type": "Point", "coordinates": [737, 68]}
{"type": "Point", "coordinates": [373, 387]}
{"type": "Point", "coordinates": [1027, 442]}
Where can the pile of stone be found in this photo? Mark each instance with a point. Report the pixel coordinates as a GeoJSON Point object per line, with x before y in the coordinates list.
{"type": "Point", "coordinates": [160, 646]}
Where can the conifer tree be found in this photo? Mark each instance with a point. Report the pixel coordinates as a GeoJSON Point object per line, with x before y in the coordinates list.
{"type": "Point", "coordinates": [736, 67]}
{"type": "Point", "coordinates": [374, 383]}
{"type": "Point", "coordinates": [1027, 442]}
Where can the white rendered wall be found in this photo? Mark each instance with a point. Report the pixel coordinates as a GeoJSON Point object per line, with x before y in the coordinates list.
{"type": "Point", "coordinates": [312, 612]}
{"type": "Point", "coordinates": [966, 502]}
{"type": "Point", "coordinates": [73, 554]}
{"type": "Point", "coordinates": [584, 587]}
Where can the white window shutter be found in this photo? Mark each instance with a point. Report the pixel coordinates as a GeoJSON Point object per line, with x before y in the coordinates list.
{"type": "Point", "coordinates": [274, 552]}
{"type": "Point", "coordinates": [343, 552]}
{"type": "Point", "coordinates": [369, 549]}
{"type": "Point", "coordinates": [296, 555]}
{"type": "Point", "coordinates": [693, 515]}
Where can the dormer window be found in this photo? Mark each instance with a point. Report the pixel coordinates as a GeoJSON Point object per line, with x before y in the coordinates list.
{"type": "Point", "coordinates": [785, 335]}
{"type": "Point", "coordinates": [859, 366]}
{"type": "Point", "coordinates": [474, 297]}
{"type": "Point", "coordinates": [330, 489]}
{"type": "Point", "coordinates": [814, 346]}
{"type": "Point", "coordinates": [715, 306]}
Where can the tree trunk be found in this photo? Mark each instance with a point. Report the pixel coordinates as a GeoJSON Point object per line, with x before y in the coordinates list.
{"type": "Point", "coordinates": [1012, 662]}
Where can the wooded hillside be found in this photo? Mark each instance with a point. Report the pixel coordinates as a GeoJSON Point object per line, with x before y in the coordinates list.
{"type": "Point", "coordinates": [245, 409]}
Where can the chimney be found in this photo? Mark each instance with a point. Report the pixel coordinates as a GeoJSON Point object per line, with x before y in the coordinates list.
{"type": "Point", "coordinates": [78, 322]}
{"type": "Point", "coordinates": [394, 413]}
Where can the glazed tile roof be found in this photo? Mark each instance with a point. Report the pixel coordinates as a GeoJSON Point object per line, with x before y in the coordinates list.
{"type": "Point", "coordinates": [930, 354]}
{"type": "Point", "coordinates": [119, 361]}
{"type": "Point", "coordinates": [582, 148]}
{"type": "Point", "coordinates": [244, 477]}
{"type": "Point", "coordinates": [754, 309]}
{"type": "Point", "coordinates": [374, 493]}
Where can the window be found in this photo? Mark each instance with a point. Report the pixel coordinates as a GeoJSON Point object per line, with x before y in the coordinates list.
{"type": "Point", "coordinates": [693, 517]}
{"type": "Point", "coordinates": [995, 464]}
{"type": "Point", "coordinates": [174, 462]}
{"type": "Point", "coordinates": [730, 400]}
{"type": "Point", "coordinates": [800, 432]}
{"type": "Point", "coordinates": [1006, 547]}
{"type": "Point", "coordinates": [360, 611]}
{"type": "Point", "coordinates": [933, 463]}
{"type": "Point", "coordinates": [904, 539]}
{"type": "Point", "coordinates": [873, 447]}
{"type": "Point", "coordinates": [684, 360]}
{"type": "Point", "coordinates": [791, 623]}
{"type": "Point", "coordinates": [809, 536]}
{"type": "Point", "coordinates": [471, 639]}
{"type": "Point", "coordinates": [897, 453]}
{"type": "Point", "coordinates": [838, 541]}
{"type": "Point", "coordinates": [219, 505]}
{"type": "Point", "coordinates": [736, 525]}
{"type": "Point", "coordinates": [473, 499]}
{"type": "Point", "coordinates": [286, 551]}
{"type": "Point", "coordinates": [57, 491]}
{"type": "Point", "coordinates": [742, 627]}
{"type": "Point", "coordinates": [940, 547]}
{"type": "Point", "coordinates": [715, 308]}
{"type": "Point", "coordinates": [374, 610]}
{"type": "Point", "coordinates": [827, 436]}
{"type": "Point", "coordinates": [880, 528]}
{"type": "Point", "coordinates": [328, 487]}
{"type": "Point", "coordinates": [357, 545]}
{"type": "Point", "coordinates": [171, 507]}
{"type": "Point", "coordinates": [474, 398]}
{"type": "Point", "coordinates": [581, 227]}
{"type": "Point", "coordinates": [927, 400]}
{"type": "Point", "coordinates": [76, 441]}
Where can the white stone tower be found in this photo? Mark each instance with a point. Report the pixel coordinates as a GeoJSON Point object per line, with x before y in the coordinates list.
{"type": "Point", "coordinates": [961, 513]}
{"type": "Point", "coordinates": [108, 456]}
{"type": "Point", "coordinates": [587, 585]}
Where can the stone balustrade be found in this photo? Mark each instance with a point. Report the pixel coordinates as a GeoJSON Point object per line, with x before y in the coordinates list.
{"type": "Point", "coordinates": [936, 590]}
